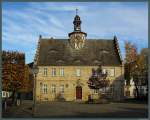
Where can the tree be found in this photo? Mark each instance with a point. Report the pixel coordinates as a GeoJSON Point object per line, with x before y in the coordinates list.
{"type": "Point", "coordinates": [98, 79]}
{"type": "Point", "coordinates": [12, 71]}
{"type": "Point", "coordinates": [131, 65]}
{"type": "Point", "coordinates": [28, 80]}
{"type": "Point", "coordinates": [142, 64]}
{"type": "Point", "coordinates": [135, 65]}
{"type": "Point", "coordinates": [131, 52]}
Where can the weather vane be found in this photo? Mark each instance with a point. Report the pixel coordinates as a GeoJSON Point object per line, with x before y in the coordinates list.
{"type": "Point", "coordinates": [76, 11]}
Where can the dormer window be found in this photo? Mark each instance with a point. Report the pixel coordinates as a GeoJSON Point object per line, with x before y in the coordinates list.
{"type": "Point", "coordinates": [51, 51]}
{"type": "Point", "coordinates": [60, 61]}
{"type": "Point", "coordinates": [96, 61]}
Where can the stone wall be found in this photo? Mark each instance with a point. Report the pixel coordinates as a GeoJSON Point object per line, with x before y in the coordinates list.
{"type": "Point", "coordinates": [71, 81]}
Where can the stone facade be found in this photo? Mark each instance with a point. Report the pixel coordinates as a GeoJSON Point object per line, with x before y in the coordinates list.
{"type": "Point", "coordinates": [70, 81]}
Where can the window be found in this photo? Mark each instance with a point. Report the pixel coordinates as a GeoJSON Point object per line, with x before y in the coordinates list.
{"type": "Point", "coordinates": [104, 71]}
{"type": "Point", "coordinates": [78, 72]}
{"type": "Point", "coordinates": [45, 71]}
{"type": "Point", "coordinates": [7, 94]}
{"type": "Point", "coordinates": [3, 94]}
{"type": "Point", "coordinates": [62, 89]}
{"type": "Point", "coordinates": [45, 88]}
{"type": "Point", "coordinates": [111, 72]}
{"type": "Point", "coordinates": [53, 71]}
{"type": "Point", "coordinates": [53, 89]}
{"type": "Point", "coordinates": [62, 72]}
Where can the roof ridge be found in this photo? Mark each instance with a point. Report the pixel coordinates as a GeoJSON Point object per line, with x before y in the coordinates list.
{"type": "Point", "coordinates": [53, 39]}
{"type": "Point", "coordinates": [99, 39]}
{"type": "Point", "coordinates": [68, 39]}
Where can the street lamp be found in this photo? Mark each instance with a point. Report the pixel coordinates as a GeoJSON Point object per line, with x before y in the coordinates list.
{"type": "Point", "coordinates": [35, 72]}
{"type": "Point", "coordinates": [41, 90]}
{"type": "Point", "coordinates": [12, 63]}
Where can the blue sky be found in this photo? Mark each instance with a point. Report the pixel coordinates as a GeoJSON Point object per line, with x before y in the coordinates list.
{"type": "Point", "coordinates": [22, 23]}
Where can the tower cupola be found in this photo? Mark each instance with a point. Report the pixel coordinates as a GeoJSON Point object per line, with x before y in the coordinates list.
{"type": "Point", "coordinates": [77, 22]}
{"type": "Point", "coordinates": [77, 37]}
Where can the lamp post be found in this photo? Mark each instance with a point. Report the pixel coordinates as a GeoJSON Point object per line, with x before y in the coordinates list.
{"type": "Point", "coordinates": [41, 90]}
{"type": "Point", "coordinates": [12, 62]}
{"type": "Point", "coordinates": [35, 72]}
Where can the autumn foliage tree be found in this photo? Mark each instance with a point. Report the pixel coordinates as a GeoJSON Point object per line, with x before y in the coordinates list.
{"type": "Point", "coordinates": [131, 56]}
{"type": "Point", "coordinates": [136, 66]}
{"type": "Point", "coordinates": [13, 64]}
{"type": "Point", "coordinates": [142, 68]}
{"type": "Point", "coordinates": [27, 81]}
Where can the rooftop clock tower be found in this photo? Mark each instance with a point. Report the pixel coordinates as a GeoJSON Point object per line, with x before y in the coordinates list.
{"type": "Point", "coordinates": [77, 37]}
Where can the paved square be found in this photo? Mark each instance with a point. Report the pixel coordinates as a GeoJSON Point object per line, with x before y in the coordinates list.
{"type": "Point", "coordinates": [74, 109]}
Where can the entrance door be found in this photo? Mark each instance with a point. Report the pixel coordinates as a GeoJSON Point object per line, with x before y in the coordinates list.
{"type": "Point", "coordinates": [78, 92]}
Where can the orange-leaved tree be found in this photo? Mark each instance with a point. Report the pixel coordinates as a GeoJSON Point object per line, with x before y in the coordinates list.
{"type": "Point", "coordinates": [13, 64]}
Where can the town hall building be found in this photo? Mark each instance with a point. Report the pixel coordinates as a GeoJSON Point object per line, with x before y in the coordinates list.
{"type": "Point", "coordinates": [65, 66]}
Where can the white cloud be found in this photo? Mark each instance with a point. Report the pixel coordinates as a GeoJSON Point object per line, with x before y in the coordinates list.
{"type": "Point", "coordinates": [99, 20]}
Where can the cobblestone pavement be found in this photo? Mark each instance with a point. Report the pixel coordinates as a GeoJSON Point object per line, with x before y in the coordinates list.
{"type": "Point", "coordinates": [21, 111]}
{"type": "Point", "coordinates": [72, 109]}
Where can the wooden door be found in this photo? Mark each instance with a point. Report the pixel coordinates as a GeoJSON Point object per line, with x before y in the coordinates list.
{"type": "Point", "coordinates": [78, 92]}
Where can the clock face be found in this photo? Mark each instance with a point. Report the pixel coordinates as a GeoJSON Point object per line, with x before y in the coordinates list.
{"type": "Point", "coordinates": [78, 37]}
{"type": "Point", "coordinates": [77, 41]}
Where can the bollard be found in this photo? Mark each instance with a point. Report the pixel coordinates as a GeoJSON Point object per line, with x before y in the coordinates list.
{"type": "Point", "coordinates": [5, 105]}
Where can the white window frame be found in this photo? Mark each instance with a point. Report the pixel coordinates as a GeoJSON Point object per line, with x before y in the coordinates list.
{"type": "Point", "coordinates": [112, 72]}
{"type": "Point", "coordinates": [62, 89]}
{"type": "Point", "coordinates": [45, 89]}
{"type": "Point", "coordinates": [104, 71]}
{"type": "Point", "coordinates": [45, 72]}
{"type": "Point", "coordinates": [53, 89]}
{"type": "Point", "coordinates": [78, 72]}
{"type": "Point", "coordinates": [7, 94]}
{"type": "Point", "coordinates": [62, 73]}
{"type": "Point", "coordinates": [3, 94]}
{"type": "Point", "coordinates": [53, 71]}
